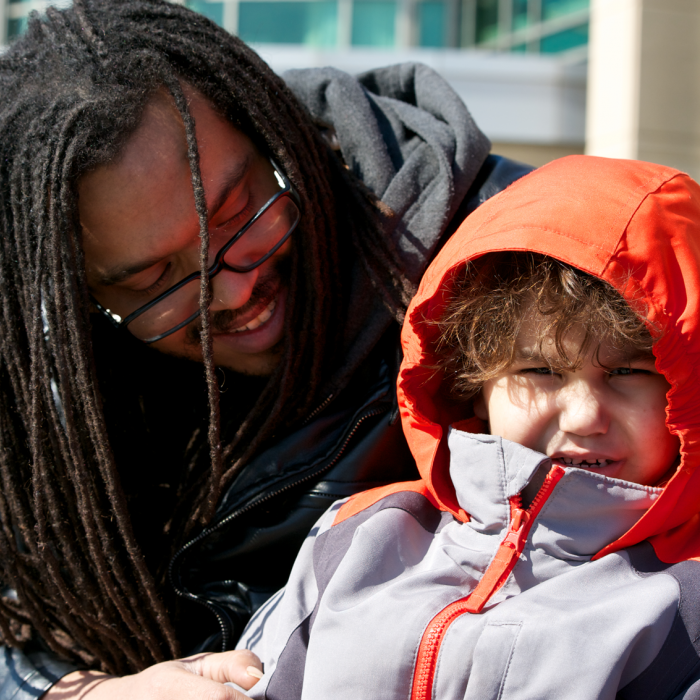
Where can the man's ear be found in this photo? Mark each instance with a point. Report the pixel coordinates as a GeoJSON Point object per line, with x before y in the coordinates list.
{"type": "Point", "coordinates": [480, 408]}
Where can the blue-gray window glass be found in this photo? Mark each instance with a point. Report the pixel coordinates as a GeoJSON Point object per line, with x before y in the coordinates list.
{"type": "Point", "coordinates": [431, 24]}
{"type": "Point", "coordinates": [15, 27]}
{"type": "Point", "coordinates": [213, 10]}
{"type": "Point", "coordinates": [558, 8]}
{"type": "Point", "coordinates": [373, 23]}
{"type": "Point", "coordinates": [486, 20]}
{"type": "Point", "coordinates": [520, 14]}
{"type": "Point", "coordinates": [309, 23]}
{"type": "Point", "coordinates": [562, 41]}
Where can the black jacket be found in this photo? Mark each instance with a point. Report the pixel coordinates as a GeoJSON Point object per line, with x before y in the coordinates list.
{"type": "Point", "coordinates": [412, 141]}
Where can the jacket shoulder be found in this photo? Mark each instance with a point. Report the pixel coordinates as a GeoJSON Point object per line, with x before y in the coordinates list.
{"type": "Point", "coordinates": [675, 672]}
{"type": "Point", "coordinates": [412, 496]}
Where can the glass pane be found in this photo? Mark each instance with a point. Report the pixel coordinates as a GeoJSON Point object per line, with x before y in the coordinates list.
{"type": "Point", "coordinates": [373, 23]}
{"type": "Point", "coordinates": [568, 39]}
{"type": "Point", "coordinates": [486, 20]}
{"type": "Point", "coordinates": [558, 8]}
{"type": "Point", "coordinates": [431, 22]}
{"type": "Point", "coordinates": [309, 23]}
{"type": "Point", "coordinates": [15, 27]}
{"type": "Point", "coordinates": [520, 16]}
{"type": "Point", "coordinates": [213, 10]}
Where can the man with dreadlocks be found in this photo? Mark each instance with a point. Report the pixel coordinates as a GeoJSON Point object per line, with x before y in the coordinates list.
{"type": "Point", "coordinates": [168, 202]}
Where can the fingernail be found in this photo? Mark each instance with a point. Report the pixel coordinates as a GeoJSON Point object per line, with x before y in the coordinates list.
{"type": "Point", "coordinates": [255, 672]}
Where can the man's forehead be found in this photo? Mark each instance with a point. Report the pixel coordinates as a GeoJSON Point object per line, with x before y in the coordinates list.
{"type": "Point", "coordinates": [160, 134]}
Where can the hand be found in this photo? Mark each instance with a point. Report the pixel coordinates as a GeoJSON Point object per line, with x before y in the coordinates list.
{"type": "Point", "coordinates": [199, 677]}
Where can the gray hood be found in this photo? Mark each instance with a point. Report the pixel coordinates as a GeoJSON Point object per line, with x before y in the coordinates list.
{"type": "Point", "coordinates": [408, 136]}
{"type": "Point", "coordinates": [412, 141]}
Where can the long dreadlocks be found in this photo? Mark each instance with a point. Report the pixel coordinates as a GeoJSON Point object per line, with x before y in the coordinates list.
{"type": "Point", "coordinates": [73, 90]}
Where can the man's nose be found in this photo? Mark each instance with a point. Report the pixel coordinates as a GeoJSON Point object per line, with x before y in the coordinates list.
{"type": "Point", "coordinates": [231, 290]}
{"type": "Point", "coordinates": [582, 410]}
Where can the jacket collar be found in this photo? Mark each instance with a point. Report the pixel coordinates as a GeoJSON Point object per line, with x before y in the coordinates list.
{"type": "Point", "coordinates": [585, 512]}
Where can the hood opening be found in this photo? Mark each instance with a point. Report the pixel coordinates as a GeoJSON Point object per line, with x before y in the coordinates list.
{"type": "Point", "coordinates": [635, 225]}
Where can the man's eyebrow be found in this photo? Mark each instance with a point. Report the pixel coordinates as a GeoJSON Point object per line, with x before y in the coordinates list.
{"type": "Point", "coordinates": [117, 275]}
{"type": "Point", "coordinates": [231, 179]}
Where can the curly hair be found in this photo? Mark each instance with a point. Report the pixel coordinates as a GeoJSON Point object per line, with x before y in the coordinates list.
{"type": "Point", "coordinates": [494, 295]}
{"type": "Point", "coordinates": [80, 404]}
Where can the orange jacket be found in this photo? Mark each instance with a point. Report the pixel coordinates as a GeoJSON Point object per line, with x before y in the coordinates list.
{"type": "Point", "coordinates": [623, 221]}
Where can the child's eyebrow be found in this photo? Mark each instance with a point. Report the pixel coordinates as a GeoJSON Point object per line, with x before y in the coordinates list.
{"type": "Point", "coordinates": [627, 355]}
{"type": "Point", "coordinates": [530, 355]}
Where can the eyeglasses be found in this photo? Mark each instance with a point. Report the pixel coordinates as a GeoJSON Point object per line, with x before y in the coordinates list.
{"type": "Point", "coordinates": [265, 233]}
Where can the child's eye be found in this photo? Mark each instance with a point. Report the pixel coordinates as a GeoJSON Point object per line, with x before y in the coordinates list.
{"type": "Point", "coordinates": [627, 371]}
{"type": "Point", "coordinates": [542, 371]}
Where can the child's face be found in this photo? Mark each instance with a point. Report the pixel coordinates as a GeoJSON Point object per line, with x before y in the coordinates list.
{"type": "Point", "coordinates": [611, 421]}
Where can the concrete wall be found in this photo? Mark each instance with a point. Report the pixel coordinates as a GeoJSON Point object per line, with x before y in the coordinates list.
{"type": "Point", "coordinates": [644, 81]}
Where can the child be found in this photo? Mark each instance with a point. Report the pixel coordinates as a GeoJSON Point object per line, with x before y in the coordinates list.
{"type": "Point", "coordinates": [549, 549]}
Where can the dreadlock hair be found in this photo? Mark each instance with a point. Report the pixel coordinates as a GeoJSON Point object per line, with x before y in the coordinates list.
{"type": "Point", "coordinates": [73, 90]}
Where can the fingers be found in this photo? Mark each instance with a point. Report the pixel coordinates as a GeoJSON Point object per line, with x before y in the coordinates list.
{"type": "Point", "coordinates": [241, 667]}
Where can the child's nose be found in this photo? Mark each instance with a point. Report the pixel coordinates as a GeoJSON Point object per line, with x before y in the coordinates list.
{"type": "Point", "coordinates": [581, 410]}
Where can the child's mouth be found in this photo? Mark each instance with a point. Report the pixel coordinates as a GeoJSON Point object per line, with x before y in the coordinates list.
{"type": "Point", "coordinates": [576, 462]}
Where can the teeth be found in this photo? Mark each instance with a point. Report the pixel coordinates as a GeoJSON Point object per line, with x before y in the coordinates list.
{"type": "Point", "coordinates": [599, 463]}
{"type": "Point", "coordinates": [258, 320]}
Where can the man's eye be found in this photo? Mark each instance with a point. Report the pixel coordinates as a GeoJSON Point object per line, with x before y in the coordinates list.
{"type": "Point", "coordinates": [158, 283]}
{"type": "Point", "coordinates": [239, 219]}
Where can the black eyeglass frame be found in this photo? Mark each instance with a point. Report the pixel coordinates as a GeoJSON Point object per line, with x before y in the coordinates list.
{"type": "Point", "coordinates": [219, 263]}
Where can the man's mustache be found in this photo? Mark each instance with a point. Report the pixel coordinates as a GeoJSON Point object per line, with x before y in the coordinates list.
{"type": "Point", "coordinates": [224, 321]}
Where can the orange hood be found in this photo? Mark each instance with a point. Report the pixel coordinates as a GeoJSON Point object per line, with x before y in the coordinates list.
{"type": "Point", "coordinates": [618, 220]}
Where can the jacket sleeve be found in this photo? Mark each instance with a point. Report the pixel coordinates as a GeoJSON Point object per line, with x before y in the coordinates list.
{"type": "Point", "coordinates": [279, 631]}
{"type": "Point", "coordinates": [27, 676]}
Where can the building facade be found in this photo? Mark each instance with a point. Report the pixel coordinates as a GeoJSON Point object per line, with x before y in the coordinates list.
{"type": "Point", "coordinates": [520, 65]}
{"type": "Point", "coordinates": [533, 26]}
{"type": "Point", "coordinates": [529, 26]}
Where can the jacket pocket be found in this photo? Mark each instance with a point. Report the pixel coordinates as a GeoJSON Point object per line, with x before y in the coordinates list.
{"type": "Point", "coordinates": [491, 661]}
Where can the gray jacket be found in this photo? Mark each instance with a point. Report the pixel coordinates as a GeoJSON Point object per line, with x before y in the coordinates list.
{"type": "Point", "coordinates": [378, 603]}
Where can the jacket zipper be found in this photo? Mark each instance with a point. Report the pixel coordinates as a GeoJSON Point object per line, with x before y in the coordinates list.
{"type": "Point", "coordinates": [318, 409]}
{"type": "Point", "coordinates": [213, 607]}
{"type": "Point", "coordinates": [494, 577]}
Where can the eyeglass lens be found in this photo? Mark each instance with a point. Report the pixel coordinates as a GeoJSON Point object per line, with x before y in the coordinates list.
{"type": "Point", "coordinates": [266, 232]}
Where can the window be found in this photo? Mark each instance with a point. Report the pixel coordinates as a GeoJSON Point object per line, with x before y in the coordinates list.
{"type": "Point", "coordinates": [520, 14]}
{"type": "Point", "coordinates": [15, 27]}
{"type": "Point", "coordinates": [562, 41]}
{"type": "Point", "coordinates": [431, 24]}
{"type": "Point", "coordinates": [486, 20]}
{"type": "Point", "coordinates": [309, 23]}
{"type": "Point", "coordinates": [558, 8]}
{"type": "Point", "coordinates": [213, 10]}
{"type": "Point", "coordinates": [373, 23]}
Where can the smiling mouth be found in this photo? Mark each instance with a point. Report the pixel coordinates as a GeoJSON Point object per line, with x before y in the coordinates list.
{"type": "Point", "coordinates": [261, 318]}
{"type": "Point", "coordinates": [575, 462]}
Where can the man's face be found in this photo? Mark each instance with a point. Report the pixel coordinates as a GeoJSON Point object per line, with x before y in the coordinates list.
{"type": "Point", "coordinates": [141, 232]}
{"type": "Point", "coordinates": [608, 417]}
